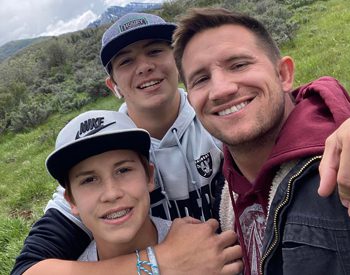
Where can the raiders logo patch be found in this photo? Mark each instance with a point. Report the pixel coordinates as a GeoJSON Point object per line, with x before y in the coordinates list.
{"type": "Point", "coordinates": [205, 165]}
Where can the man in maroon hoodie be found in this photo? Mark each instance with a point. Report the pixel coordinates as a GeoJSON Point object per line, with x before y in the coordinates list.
{"type": "Point", "coordinates": [241, 89]}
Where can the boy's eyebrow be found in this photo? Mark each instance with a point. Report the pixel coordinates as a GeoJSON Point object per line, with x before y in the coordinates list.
{"type": "Point", "coordinates": [150, 43]}
{"type": "Point", "coordinates": [121, 162]}
{"type": "Point", "coordinates": [89, 172]}
{"type": "Point", "coordinates": [121, 52]}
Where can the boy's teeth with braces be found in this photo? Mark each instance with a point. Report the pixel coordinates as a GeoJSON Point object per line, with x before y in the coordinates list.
{"type": "Point", "coordinates": [233, 109]}
{"type": "Point", "coordinates": [118, 214]}
{"type": "Point", "coordinates": [148, 84]}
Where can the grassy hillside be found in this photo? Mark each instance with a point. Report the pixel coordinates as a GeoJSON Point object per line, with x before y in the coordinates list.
{"type": "Point", "coordinates": [321, 47]}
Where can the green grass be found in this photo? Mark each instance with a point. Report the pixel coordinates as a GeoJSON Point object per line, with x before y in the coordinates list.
{"type": "Point", "coordinates": [322, 44]}
{"type": "Point", "coordinates": [321, 47]}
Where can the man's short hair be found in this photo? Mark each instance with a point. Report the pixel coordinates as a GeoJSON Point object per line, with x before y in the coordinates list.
{"type": "Point", "coordinates": [201, 19]}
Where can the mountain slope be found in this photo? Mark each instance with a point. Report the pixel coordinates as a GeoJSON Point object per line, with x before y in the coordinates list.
{"type": "Point", "coordinates": [11, 48]}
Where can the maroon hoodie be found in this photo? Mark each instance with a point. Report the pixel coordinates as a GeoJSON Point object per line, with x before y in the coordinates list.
{"type": "Point", "coordinates": [321, 106]}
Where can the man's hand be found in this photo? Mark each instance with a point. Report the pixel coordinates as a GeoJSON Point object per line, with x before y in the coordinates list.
{"type": "Point", "coordinates": [335, 164]}
{"type": "Point", "coordinates": [194, 248]}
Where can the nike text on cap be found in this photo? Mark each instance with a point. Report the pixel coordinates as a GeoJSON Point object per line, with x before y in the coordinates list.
{"type": "Point", "coordinates": [92, 133]}
{"type": "Point", "coordinates": [130, 28]}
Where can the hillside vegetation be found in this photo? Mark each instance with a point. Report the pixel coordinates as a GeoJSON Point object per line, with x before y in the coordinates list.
{"type": "Point", "coordinates": [322, 45]}
{"type": "Point", "coordinates": [49, 83]}
{"type": "Point", "coordinates": [12, 47]}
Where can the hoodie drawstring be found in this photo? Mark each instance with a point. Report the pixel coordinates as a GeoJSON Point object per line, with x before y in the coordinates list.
{"type": "Point", "coordinates": [194, 183]}
{"type": "Point", "coordinates": [163, 191]}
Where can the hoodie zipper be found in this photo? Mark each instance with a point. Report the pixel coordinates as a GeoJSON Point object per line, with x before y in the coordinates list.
{"type": "Point", "coordinates": [279, 207]}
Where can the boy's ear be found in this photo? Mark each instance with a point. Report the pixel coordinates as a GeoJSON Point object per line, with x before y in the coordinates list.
{"type": "Point", "coordinates": [151, 184]}
{"type": "Point", "coordinates": [71, 202]}
{"type": "Point", "coordinates": [113, 87]}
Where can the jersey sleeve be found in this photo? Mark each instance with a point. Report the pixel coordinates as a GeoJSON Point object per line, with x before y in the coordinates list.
{"type": "Point", "coordinates": [52, 236]}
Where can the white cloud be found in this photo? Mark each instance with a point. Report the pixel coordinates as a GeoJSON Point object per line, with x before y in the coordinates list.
{"type": "Point", "coordinates": [21, 19]}
{"type": "Point", "coordinates": [77, 23]}
{"type": "Point", "coordinates": [124, 2]}
{"type": "Point", "coordinates": [115, 2]}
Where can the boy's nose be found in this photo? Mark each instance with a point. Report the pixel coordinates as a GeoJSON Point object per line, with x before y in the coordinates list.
{"type": "Point", "coordinates": [111, 191]}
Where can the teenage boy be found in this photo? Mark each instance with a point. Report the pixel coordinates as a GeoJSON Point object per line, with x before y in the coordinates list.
{"type": "Point", "coordinates": [241, 89]}
{"type": "Point", "coordinates": [107, 178]}
{"type": "Point", "coordinates": [137, 56]}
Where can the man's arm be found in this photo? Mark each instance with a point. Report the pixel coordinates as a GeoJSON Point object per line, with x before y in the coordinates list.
{"type": "Point", "coordinates": [189, 248]}
{"type": "Point", "coordinates": [192, 248]}
{"type": "Point", "coordinates": [335, 164]}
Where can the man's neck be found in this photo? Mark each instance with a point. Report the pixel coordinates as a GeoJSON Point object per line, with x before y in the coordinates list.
{"type": "Point", "coordinates": [250, 159]}
{"type": "Point", "coordinates": [251, 156]}
{"type": "Point", "coordinates": [157, 121]}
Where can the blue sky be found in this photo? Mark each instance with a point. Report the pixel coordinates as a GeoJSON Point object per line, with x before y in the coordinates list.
{"type": "Point", "coordinates": [21, 19]}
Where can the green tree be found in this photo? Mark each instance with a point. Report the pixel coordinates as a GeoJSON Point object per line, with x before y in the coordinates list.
{"type": "Point", "coordinates": [55, 54]}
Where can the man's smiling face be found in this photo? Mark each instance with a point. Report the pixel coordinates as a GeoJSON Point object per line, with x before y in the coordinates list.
{"type": "Point", "coordinates": [233, 85]}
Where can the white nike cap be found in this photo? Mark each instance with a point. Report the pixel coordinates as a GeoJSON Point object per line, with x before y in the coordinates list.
{"type": "Point", "coordinates": [92, 133]}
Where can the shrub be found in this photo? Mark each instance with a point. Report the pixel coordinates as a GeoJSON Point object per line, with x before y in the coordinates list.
{"type": "Point", "coordinates": [58, 78]}
{"type": "Point", "coordinates": [66, 101]}
{"type": "Point", "coordinates": [55, 54]}
{"type": "Point", "coordinates": [28, 115]}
